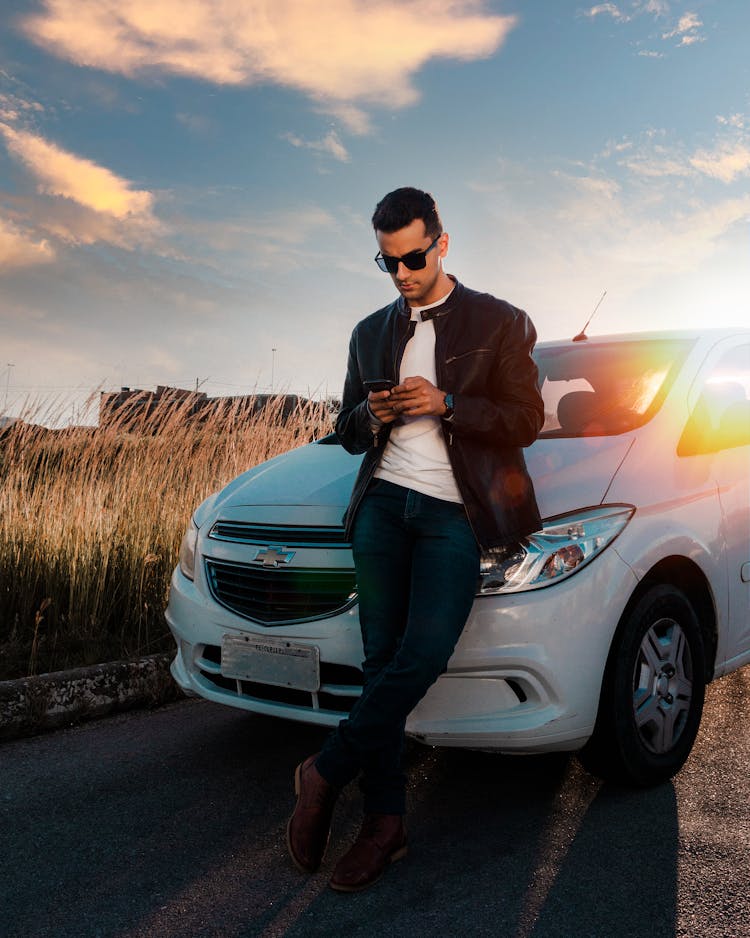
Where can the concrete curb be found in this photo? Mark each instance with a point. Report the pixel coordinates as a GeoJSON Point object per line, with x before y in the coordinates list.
{"type": "Point", "coordinates": [34, 704]}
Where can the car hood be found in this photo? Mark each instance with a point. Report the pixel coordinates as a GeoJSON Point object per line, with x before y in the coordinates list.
{"type": "Point", "coordinates": [318, 478]}
{"type": "Point", "coordinates": [574, 473]}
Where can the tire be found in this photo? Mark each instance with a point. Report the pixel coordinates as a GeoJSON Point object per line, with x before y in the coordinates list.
{"type": "Point", "coordinates": [652, 694]}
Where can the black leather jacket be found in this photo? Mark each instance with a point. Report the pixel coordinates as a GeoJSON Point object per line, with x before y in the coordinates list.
{"type": "Point", "coordinates": [483, 357]}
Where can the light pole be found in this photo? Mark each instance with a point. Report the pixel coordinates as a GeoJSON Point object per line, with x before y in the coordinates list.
{"type": "Point", "coordinates": [7, 382]}
{"type": "Point", "coordinates": [273, 365]}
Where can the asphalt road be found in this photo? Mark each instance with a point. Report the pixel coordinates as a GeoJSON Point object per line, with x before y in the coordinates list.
{"type": "Point", "coordinates": [171, 823]}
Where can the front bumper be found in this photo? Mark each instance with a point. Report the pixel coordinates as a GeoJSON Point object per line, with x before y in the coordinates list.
{"type": "Point", "coordinates": [525, 676]}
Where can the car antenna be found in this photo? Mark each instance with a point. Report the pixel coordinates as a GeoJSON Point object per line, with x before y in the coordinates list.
{"type": "Point", "coordinates": [581, 337]}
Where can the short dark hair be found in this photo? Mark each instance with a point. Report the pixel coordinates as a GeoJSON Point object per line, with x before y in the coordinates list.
{"type": "Point", "coordinates": [402, 206]}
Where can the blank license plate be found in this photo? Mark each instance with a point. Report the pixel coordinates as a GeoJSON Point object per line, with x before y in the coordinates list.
{"type": "Point", "coordinates": [271, 661]}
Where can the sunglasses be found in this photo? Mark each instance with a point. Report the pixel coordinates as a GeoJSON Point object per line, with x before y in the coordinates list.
{"type": "Point", "coordinates": [414, 260]}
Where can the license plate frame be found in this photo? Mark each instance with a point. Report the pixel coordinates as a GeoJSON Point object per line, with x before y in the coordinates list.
{"type": "Point", "coordinates": [274, 661]}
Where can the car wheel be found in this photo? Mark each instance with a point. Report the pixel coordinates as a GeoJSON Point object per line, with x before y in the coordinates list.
{"type": "Point", "coordinates": [652, 695]}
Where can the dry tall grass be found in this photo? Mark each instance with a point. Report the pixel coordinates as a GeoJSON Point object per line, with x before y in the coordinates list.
{"type": "Point", "coordinates": [91, 521]}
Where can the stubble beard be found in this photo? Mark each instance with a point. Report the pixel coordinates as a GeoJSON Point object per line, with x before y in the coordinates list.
{"type": "Point", "coordinates": [422, 289]}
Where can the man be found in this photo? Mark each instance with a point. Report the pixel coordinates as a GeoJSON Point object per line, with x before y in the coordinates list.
{"type": "Point", "coordinates": [440, 395]}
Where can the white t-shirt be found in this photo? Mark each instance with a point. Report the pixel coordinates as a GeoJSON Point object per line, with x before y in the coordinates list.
{"type": "Point", "coordinates": [415, 455]}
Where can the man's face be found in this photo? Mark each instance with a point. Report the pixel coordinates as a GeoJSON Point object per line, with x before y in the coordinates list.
{"type": "Point", "coordinates": [418, 287]}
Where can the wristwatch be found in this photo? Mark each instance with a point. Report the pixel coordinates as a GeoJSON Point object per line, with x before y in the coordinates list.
{"type": "Point", "coordinates": [449, 412]}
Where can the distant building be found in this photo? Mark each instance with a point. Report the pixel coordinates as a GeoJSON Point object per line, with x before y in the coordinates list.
{"type": "Point", "coordinates": [133, 409]}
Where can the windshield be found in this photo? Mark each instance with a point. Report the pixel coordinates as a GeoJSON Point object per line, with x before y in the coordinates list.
{"type": "Point", "coordinates": [605, 389]}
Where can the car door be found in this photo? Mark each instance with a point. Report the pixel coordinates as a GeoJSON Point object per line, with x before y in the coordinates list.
{"type": "Point", "coordinates": [718, 430]}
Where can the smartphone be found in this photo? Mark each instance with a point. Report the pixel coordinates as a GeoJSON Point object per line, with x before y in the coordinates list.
{"type": "Point", "coordinates": [379, 384]}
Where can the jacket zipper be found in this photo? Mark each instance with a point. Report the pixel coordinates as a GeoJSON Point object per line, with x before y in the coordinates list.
{"type": "Point", "coordinates": [396, 364]}
{"type": "Point", "coordinates": [410, 329]}
{"type": "Point", "coordinates": [448, 431]}
{"type": "Point", "coordinates": [473, 351]}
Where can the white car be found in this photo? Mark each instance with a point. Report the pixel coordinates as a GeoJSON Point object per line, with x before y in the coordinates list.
{"type": "Point", "coordinates": [597, 634]}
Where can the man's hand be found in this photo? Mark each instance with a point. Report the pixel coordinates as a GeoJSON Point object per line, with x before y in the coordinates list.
{"type": "Point", "coordinates": [380, 405]}
{"type": "Point", "coordinates": [417, 397]}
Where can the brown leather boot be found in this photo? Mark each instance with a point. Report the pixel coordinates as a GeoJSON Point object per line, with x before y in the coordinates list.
{"type": "Point", "coordinates": [381, 841]}
{"type": "Point", "coordinates": [310, 824]}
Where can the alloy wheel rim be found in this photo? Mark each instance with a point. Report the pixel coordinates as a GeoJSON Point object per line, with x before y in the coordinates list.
{"type": "Point", "coordinates": [662, 685]}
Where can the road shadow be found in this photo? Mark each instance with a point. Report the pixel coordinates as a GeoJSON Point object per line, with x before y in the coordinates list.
{"type": "Point", "coordinates": [172, 824]}
{"type": "Point", "coordinates": [523, 847]}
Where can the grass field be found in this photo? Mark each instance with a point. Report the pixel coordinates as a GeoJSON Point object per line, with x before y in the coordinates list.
{"type": "Point", "coordinates": [91, 521]}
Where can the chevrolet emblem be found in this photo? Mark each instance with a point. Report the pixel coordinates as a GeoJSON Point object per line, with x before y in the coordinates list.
{"type": "Point", "coordinates": [272, 556]}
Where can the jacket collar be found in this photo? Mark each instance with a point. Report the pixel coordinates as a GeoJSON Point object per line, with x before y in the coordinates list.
{"type": "Point", "coordinates": [451, 303]}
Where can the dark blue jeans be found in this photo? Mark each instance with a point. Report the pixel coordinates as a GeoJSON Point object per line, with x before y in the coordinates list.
{"type": "Point", "coordinates": [417, 568]}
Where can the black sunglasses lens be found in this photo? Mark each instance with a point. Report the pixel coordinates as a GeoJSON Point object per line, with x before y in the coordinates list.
{"type": "Point", "coordinates": [415, 261]}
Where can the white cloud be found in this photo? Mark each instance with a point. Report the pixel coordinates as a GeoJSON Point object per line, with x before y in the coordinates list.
{"type": "Point", "coordinates": [598, 190]}
{"type": "Point", "coordinates": [78, 201]}
{"type": "Point", "coordinates": [60, 173]}
{"type": "Point", "coordinates": [644, 213]}
{"type": "Point", "coordinates": [596, 232]}
{"type": "Point", "coordinates": [259, 241]}
{"type": "Point", "coordinates": [690, 237]}
{"type": "Point", "coordinates": [67, 221]}
{"type": "Point", "coordinates": [691, 38]}
{"type": "Point", "coordinates": [195, 123]}
{"type": "Point", "coordinates": [733, 120]}
{"type": "Point", "coordinates": [687, 30]}
{"type": "Point", "coordinates": [726, 162]}
{"type": "Point", "coordinates": [19, 248]}
{"type": "Point", "coordinates": [159, 360]}
{"type": "Point", "coordinates": [330, 145]}
{"type": "Point", "coordinates": [658, 8]}
{"type": "Point", "coordinates": [620, 146]}
{"type": "Point", "coordinates": [656, 165]}
{"type": "Point", "coordinates": [13, 107]}
{"type": "Point", "coordinates": [610, 9]}
{"type": "Point", "coordinates": [353, 118]}
{"type": "Point", "coordinates": [655, 7]}
{"type": "Point", "coordinates": [340, 51]}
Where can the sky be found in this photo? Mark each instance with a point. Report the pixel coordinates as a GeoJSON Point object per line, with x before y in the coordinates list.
{"type": "Point", "coordinates": [186, 186]}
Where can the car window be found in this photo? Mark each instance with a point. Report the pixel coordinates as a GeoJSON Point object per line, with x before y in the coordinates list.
{"type": "Point", "coordinates": [720, 418]}
{"type": "Point", "coordinates": [608, 388]}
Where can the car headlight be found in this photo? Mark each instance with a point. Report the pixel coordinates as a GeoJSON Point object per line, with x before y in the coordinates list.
{"type": "Point", "coordinates": [563, 547]}
{"type": "Point", "coordinates": [187, 551]}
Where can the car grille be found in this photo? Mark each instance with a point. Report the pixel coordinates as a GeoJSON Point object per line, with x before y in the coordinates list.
{"type": "Point", "coordinates": [241, 532]}
{"type": "Point", "coordinates": [271, 596]}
